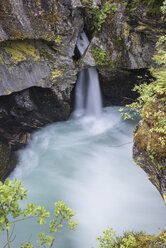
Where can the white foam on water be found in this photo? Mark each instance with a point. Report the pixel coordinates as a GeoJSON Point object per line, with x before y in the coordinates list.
{"type": "Point", "coordinates": [94, 175]}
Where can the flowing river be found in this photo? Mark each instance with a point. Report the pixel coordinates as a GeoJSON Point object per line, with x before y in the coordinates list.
{"type": "Point", "coordinates": [88, 164]}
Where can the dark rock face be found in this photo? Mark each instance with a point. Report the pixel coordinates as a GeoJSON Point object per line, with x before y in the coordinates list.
{"type": "Point", "coordinates": [20, 114]}
{"type": "Point", "coordinates": [117, 85]}
{"type": "Point", "coordinates": [33, 19]}
{"type": "Point", "coordinates": [155, 175]}
{"type": "Point", "coordinates": [8, 160]}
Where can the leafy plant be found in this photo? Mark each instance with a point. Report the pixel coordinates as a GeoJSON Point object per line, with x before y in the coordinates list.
{"type": "Point", "coordinates": [11, 193]}
{"type": "Point", "coordinates": [100, 56]}
{"type": "Point", "coordinates": [163, 8]}
{"type": "Point", "coordinates": [100, 14]}
{"type": "Point", "coordinates": [111, 240]}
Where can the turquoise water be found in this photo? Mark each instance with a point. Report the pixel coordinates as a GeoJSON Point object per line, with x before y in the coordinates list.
{"type": "Point", "coordinates": [88, 164]}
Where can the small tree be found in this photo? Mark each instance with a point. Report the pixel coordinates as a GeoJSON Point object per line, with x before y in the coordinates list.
{"type": "Point", "coordinates": [11, 193]}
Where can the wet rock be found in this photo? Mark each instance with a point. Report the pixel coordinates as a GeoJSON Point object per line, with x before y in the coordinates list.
{"type": "Point", "coordinates": [87, 60]}
{"type": "Point", "coordinates": [117, 85]}
{"type": "Point", "coordinates": [8, 160]}
{"type": "Point", "coordinates": [27, 110]}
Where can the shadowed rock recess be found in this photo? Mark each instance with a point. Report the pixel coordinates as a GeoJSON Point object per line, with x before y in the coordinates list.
{"type": "Point", "coordinates": [39, 62]}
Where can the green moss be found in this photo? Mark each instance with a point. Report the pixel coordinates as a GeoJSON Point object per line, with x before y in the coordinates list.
{"type": "Point", "coordinates": [87, 3]}
{"type": "Point", "coordinates": [118, 44]}
{"type": "Point", "coordinates": [151, 135]}
{"type": "Point", "coordinates": [151, 6]}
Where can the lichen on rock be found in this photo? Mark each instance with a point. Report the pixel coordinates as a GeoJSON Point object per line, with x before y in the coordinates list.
{"type": "Point", "coordinates": [28, 63]}
{"type": "Point", "coordinates": [19, 51]}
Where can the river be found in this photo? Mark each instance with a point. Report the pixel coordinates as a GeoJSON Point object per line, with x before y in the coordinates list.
{"type": "Point", "coordinates": [88, 164]}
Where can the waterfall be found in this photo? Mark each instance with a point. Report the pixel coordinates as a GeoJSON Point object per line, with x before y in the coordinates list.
{"type": "Point", "coordinates": [88, 96]}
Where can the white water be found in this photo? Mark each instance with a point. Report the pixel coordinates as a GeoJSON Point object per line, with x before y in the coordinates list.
{"type": "Point", "coordinates": [82, 163]}
{"type": "Point", "coordinates": [87, 162]}
{"type": "Point", "coordinates": [88, 97]}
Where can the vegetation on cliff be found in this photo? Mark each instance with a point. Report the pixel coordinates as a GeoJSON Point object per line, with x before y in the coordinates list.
{"type": "Point", "coordinates": [151, 105]}
{"type": "Point", "coordinates": [101, 13]}
{"type": "Point", "coordinates": [110, 239]}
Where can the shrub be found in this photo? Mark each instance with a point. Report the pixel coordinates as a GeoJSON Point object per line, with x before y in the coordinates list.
{"type": "Point", "coordinates": [11, 193]}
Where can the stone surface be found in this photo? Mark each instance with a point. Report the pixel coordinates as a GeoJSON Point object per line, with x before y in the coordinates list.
{"type": "Point", "coordinates": [128, 37]}
{"type": "Point", "coordinates": [8, 160]}
{"type": "Point", "coordinates": [28, 63]}
{"type": "Point", "coordinates": [35, 19]}
{"type": "Point", "coordinates": [155, 175]}
{"type": "Point", "coordinates": [116, 85]}
{"type": "Point", "coordinates": [131, 37]}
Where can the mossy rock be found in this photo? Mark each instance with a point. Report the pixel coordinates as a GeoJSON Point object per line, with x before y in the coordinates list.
{"type": "Point", "coordinates": [147, 241]}
{"type": "Point", "coordinates": [150, 136]}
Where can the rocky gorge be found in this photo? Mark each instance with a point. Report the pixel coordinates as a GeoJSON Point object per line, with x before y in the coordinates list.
{"type": "Point", "coordinates": [39, 64]}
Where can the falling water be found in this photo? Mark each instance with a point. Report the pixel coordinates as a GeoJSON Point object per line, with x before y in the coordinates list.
{"type": "Point", "coordinates": [88, 96]}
